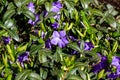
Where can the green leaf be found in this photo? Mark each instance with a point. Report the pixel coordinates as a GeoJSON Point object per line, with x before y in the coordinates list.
{"type": "Point", "coordinates": [70, 26]}
{"type": "Point", "coordinates": [10, 52]}
{"type": "Point", "coordinates": [74, 46]}
{"type": "Point", "coordinates": [48, 6]}
{"type": "Point", "coordinates": [88, 77]}
{"type": "Point", "coordinates": [1, 67]}
{"type": "Point", "coordinates": [74, 77]}
{"type": "Point", "coordinates": [22, 75]}
{"type": "Point", "coordinates": [5, 60]}
{"type": "Point", "coordinates": [82, 45]}
{"type": "Point", "coordinates": [83, 75]}
{"type": "Point", "coordinates": [111, 20]}
{"type": "Point", "coordinates": [101, 74]}
{"type": "Point", "coordinates": [2, 32]}
{"type": "Point", "coordinates": [115, 46]}
{"type": "Point", "coordinates": [99, 35]}
{"type": "Point", "coordinates": [34, 76]}
{"type": "Point", "coordinates": [79, 33]}
{"type": "Point", "coordinates": [8, 14]}
{"type": "Point", "coordinates": [22, 47]}
{"type": "Point", "coordinates": [11, 6]}
{"type": "Point", "coordinates": [35, 48]}
{"type": "Point", "coordinates": [81, 64]}
{"type": "Point", "coordinates": [9, 23]}
{"type": "Point", "coordinates": [20, 3]}
{"type": "Point", "coordinates": [9, 77]}
{"type": "Point", "coordinates": [116, 34]}
{"type": "Point", "coordinates": [92, 30]}
{"type": "Point", "coordinates": [69, 4]}
{"type": "Point", "coordinates": [50, 14]}
{"type": "Point", "coordinates": [96, 12]}
{"type": "Point", "coordinates": [43, 73]}
{"type": "Point", "coordinates": [43, 54]}
{"type": "Point", "coordinates": [84, 4]}
{"type": "Point", "coordinates": [13, 34]}
{"type": "Point", "coordinates": [29, 14]}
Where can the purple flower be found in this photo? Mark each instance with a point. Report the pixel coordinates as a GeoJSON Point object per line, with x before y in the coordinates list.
{"type": "Point", "coordinates": [103, 64]}
{"type": "Point", "coordinates": [116, 63]}
{"type": "Point", "coordinates": [57, 16]}
{"type": "Point", "coordinates": [112, 76]}
{"type": "Point", "coordinates": [45, 13]}
{"type": "Point", "coordinates": [59, 38]}
{"type": "Point", "coordinates": [88, 46]}
{"type": "Point", "coordinates": [48, 44]}
{"type": "Point", "coordinates": [36, 20]}
{"type": "Point", "coordinates": [74, 52]}
{"type": "Point", "coordinates": [55, 25]}
{"type": "Point", "coordinates": [72, 36]}
{"type": "Point", "coordinates": [56, 6]}
{"type": "Point", "coordinates": [6, 40]}
{"type": "Point", "coordinates": [23, 57]}
{"type": "Point", "coordinates": [31, 7]}
{"type": "Point", "coordinates": [43, 34]}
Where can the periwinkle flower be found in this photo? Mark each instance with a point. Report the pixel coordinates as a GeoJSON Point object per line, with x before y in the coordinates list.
{"type": "Point", "coordinates": [59, 38]}
{"type": "Point", "coordinates": [112, 76]}
{"type": "Point", "coordinates": [74, 52]}
{"type": "Point", "coordinates": [115, 63]}
{"type": "Point", "coordinates": [56, 6]}
{"type": "Point", "coordinates": [88, 46]}
{"type": "Point", "coordinates": [48, 44]}
{"type": "Point", "coordinates": [72, 36]}
{"type": "Point", "coordinates": [31, 7]}
{"type": "Point", "coordinates": [6, 40]}
{"type": "Point", "coordinates": [23, 57]}
{"type": "Point", "coordinates": [103, 64]}
{"type": "Point", "coordinates": [55, 25]}
{"type": "Point", "coordinates": [45, 13]}
{"type": "Point", "coordinates": [57, 16]}
{"type": "Point", "coordinates": [36, 20]}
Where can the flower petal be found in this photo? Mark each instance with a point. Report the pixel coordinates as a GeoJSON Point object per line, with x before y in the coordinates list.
{"type": "Point", "coordinates": [62, 33]}
{"type": "Point", "coordinates": [61, 44]}
{"type": "Point", "coordinates": [31, 7]}
{"type": "Point", "coordinates": [55, 34]}
{"type": "Point", "coordinates": [55, 41]}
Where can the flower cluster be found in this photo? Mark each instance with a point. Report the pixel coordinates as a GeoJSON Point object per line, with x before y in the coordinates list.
{"type": "Point", "coordinates": [80, 42]}
{"type": "Point", "coordinates": [6, 40]}
{"type": "Point", "coordinates": [103, 64]}
{"type": "Point", "coordinates": [23, 57]}
{"type": "Point", "coordinates": [31, 7]}
{"type": "Point", "coordinates": [58, 38]}
{"type": "Point", "coordinates": [116, 64]}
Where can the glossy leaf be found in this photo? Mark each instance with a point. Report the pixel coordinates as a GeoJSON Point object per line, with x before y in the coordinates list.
{"type": "Point", "coordinates": [29, 14]}
{"type": "Point", "coordinates": [48, 6]}
{"type": "Point", "coordinates": [8, 14]}
{"type": "Point", "coordinates": [23, 75]}
{"type": "Point", "coordinates": [34, 76]}
{"type": "Point", "coordinates": [101, 74]}
{"type": "Point", "coordinates": [74, 46]}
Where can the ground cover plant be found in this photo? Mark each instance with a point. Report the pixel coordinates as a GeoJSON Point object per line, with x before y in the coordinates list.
{"type": "Point", "coordinates": [59, 40]}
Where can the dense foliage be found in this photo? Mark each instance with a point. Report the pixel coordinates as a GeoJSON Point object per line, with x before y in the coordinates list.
{"type": "Point", "coordinates": [59, 40]}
